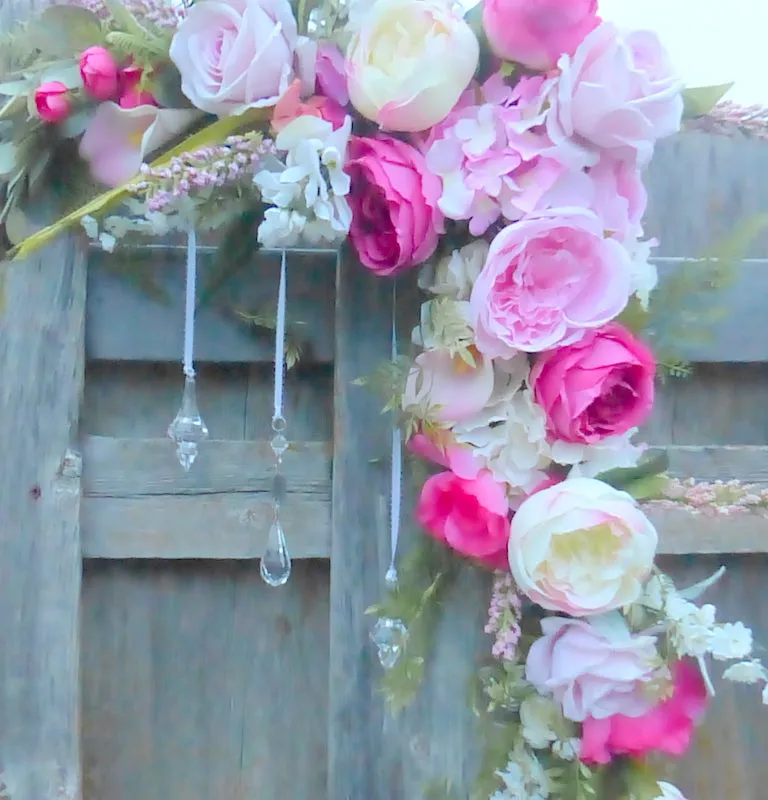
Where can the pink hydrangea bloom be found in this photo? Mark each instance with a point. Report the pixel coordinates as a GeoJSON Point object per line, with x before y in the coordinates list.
{"type": "Point", "coordinates": [494, 158]}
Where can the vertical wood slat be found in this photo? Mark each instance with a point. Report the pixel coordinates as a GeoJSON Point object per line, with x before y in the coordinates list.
{"type": "Point", "coordinates": [41, 364]}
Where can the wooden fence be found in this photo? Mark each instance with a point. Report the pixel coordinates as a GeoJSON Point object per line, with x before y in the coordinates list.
{"type": "Point", "coordinates": [142, 657]}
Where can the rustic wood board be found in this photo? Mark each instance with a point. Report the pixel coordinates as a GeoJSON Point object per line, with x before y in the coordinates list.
{"type": "Point", "coordinates": [41, 364]}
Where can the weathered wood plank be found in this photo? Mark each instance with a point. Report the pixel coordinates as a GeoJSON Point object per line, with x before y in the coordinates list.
{"type": "Point", "coordinates": [41, 363]}
{"type": "Point", "coordinates": [125, 323]}
{"type": "Point", "coordinates": [745, 463]}
{"type": "Point", "coordinates": [200, 681]}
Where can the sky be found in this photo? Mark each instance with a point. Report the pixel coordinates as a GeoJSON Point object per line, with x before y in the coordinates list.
{"type": "Point", "coordinates": [710, 41]}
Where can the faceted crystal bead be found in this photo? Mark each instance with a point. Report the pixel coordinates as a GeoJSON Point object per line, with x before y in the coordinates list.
{"type": "Point", "coordinates": [390, 577]}
{"type": "Point", "coordinates": [279, 445]}
{"type": "Point", "coordinates": [279, 489]}
{"type": "Point", "coordinates": [188, 429]}
{"type": "Point", "coordinates": [389, 636]}
{"type": "Point", "coordinates": [275, 564]}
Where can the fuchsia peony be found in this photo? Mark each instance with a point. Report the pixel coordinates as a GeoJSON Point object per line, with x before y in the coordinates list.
{"type": "Point", "coordinates": [395, 218]}
{"type": "Point", "coordinates": [52, 102]}
{"type": "Point", "coordinates": [600, 386]}
{"type": "Point", "coordinates": [468, 515]}
{"type": "Point", "coordinates": [535, 33]}
{"type": "Point", "coordinates": [616, 93]}
{"type": "Point", "coordinates": [666, 728]}
{"type": "Point", "coordinates": [547, 280]}
{"type": "Point", "coordinates": [593, 667]}
{"type": "Point", "coordinates": [100, 73]}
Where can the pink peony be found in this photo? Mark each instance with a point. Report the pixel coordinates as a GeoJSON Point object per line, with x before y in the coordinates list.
{"type": "Point", "coordinates": [393, 197]}
{"type": "Point", "coordinates": [619, 196]}
{"type": "Point", "coordinates": [468, 515]}
{"type": "Point", "coordinates": [447, 388]}
{"type": "Point", "coordinates": [52, 102]}
{"type": "Point", "coordinates": [448, 453]}
{"type": "Point", "coordinates": [536, 33]}
{"type": "Point", "coordinates": [238, 54]}
{"type": "Point", "coordinates": [496, 159]}
{"type": "Point", "coordinates": [593, 668]}
{"type": "Point", "coordinates": [600, 386]}
{"type": "Point", "coordinates": [617, 94]}
{"type": "Point", "coordinates": [100, 73]}
{"type": "Point", "coordinates": [667, 727]}
{"type": "Point", "coordinates": [547, 280]}
{"type": "Point", "coordinates": [330, 74]}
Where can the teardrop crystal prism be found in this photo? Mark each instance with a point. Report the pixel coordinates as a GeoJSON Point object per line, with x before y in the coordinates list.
{"type": "Point", "coordinates": [275, 565]}
{"type": "Point", "coordinates": [188, 429]}
{"type": "Point", "coordinates": [389, 635]}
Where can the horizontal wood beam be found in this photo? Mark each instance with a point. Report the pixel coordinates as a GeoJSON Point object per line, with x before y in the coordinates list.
{"type": "Point", "coordinates": [138, 503]}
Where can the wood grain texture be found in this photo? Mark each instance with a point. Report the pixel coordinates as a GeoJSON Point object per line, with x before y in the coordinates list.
{"type": "Point", "coordinates": [41, 363]}
{"type": "Point", "coordinates": [199, 681]}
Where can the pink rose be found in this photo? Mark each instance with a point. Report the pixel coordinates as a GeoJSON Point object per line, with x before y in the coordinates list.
{"type": "Point", "coordinates": [447, 388]}
{"type": "Point", "coordinates": [620, 197]}
{"type": "Point", "coordinates": [537, 33]}
{"type": "Point", "coordinates": [331, 76]}
{"type": "Point", "coordinates": [133, 98]}
{"type": "Point", "coordinates": [447, 452]}
{"type": "Point", "coordinates": [593, 668]}
{"type": "Point", "coordinates": [547, 280]}
{"type": "Point", "coordinates": [52, 102]}
{"type": "Point", "coordinates": [617, 93]}
{"type": "Point", "coordinates": [393, 197]}
{"type": "Point", "coordinates": [667, 727]}
{"type": "Point", "coordinates": [468, 515]}
{"type": "Point", "coordinates": [238, 54]}
{"type": "Point", "coordinates": [99, 72]}
{"type": "Point", "coordinates": [600, 386]}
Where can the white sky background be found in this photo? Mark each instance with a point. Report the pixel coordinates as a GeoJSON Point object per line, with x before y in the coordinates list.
{"type": "Point", "coordinates": [710, 41]}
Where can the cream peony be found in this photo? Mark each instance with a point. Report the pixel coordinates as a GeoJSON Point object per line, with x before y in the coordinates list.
{"type": "Point", "coordinates": [409, 62]}
{"type": "Point", "coordinates": [581, 547]}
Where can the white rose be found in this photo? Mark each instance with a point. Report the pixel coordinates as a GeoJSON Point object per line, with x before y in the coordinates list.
{"type": "Point", "coordinates": [581, 547]}
{"type": "Point", "coordinates": [409, 63]}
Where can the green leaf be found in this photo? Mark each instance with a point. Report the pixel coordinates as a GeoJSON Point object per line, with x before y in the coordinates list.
{"type": "Point", "coordinates": [67, 72]}
{"type": "Point", "coordinates": [62, 31]}
{"type": "Point", "coordinates": [652, 465]}
{"type": "Point", "coordinates": [649, 488]}
{"type": "Point", "coordinates": [13, 88]}
{"type": "Point", "coordinates": [700, 100]}
{"type": "Point", "coordinates": [75, 124]}
{"type": "Point", "coordinates": [8, 159]}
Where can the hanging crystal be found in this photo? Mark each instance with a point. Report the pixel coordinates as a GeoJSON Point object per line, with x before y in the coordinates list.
{"type": "Point", "coordinates": [275, 564]}
{"type": "Point", "coordinates": [389, 636]}
{"type": "Point", "coordinates": [188, 429]}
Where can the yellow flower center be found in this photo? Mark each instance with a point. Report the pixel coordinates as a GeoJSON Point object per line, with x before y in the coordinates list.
{"type": "Point", "coordinates": [597, 545]}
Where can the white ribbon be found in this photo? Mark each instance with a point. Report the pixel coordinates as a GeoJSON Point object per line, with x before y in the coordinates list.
{"type": "Point", "coordinates": [280, 344]}
{"type": "Point", "coordinates": [397, 468]}
{"type": "Point", "coordinates": [189, 307]}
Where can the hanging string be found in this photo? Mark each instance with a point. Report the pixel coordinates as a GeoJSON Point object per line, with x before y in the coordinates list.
{"type": "Point", "coordinates": [397, 468]}
{"type": "Point", "coordinates": [189, 309]}
{"type": "Point", "coordinates": [280, 345]}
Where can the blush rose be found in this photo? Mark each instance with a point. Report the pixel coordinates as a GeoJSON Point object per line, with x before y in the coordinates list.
{"type": "Point", "coordinates": [547, 280]}
{"type": "Point", "coordinates": [600, 386]}
{"type": "Point", "coordinates": [393, 197]}
{"type": "Point", "coordinates": [536, 34]}
{"type": "Point", "coordinates": [469, 515]}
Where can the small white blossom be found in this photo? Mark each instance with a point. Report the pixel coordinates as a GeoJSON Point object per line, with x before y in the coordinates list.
{"type": "Point", "coordinates": [590, 460]}
{"type": "Point", "coordinates": [692, 626]}
{"type": "Point", "coordinates": [746, 672]}
{"type": "Point", "coordinates": [455, 275]}
{"type": "Point", "coordinates": [90, 226]}
{"type": "Point", "coordinates": [107, 242]}
{"type": "Point", "coordinates": [730, 641]}
{"type": "Point", "coordinates": [539, 716]}
{"type": "Point", "coordinates": [643, 275]}
{"type": "Point", "coordinates": [281, 228]}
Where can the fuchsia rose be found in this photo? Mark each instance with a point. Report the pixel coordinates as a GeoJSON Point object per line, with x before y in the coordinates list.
{"type": "Point", "coordinates": [446, 387]}
{"type": "Point", "coordinates": [617, 93]}
{"type": "Point", "coordinates": [100, 73]}
{"type": "Point", "coordinates": [600, 386]}
{"type": "Point", "coordinates": [547, 280]}
{"type": "Point", "coordinates": [52, 102]}
{"type": "Point", "coordinates": [535, 34]}
{"type": "Point", "coordinates": [593, 667]}
{"type": "Point", "coordinates": [239, 54]}
{"type": "Point", "coordinates": [666, 728]}
{"type": "Point", "coordinates": [393, 197]}
{"type": "Point", "coordinates": [468, 515]}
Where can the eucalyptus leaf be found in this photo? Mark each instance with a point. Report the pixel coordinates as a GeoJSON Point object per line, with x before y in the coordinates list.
{"type": "Point", "coordinates": [18, 225]}
{"type": "Point", "coordinates": [700, 100]}
{"type": "Point", "coordinates": [8, 158]}
{"type": "Point", "coordinates": [13, 106]}
{"type": "Point", "coordinates": [63, 31]}
{"type": "Point", "coordinates": [75, 124]}
{"type": "Point", "coordinates": [649, 488]}
{"type": "Point", "coordinates": [12, 88]}
{"type": "Point", "coordinates": [67, 73]}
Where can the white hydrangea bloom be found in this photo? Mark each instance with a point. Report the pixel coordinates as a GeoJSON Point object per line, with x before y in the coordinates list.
{"type": "Point", "coordinates": [730, 641]}
{"type": "Point", "coordinates": [692, 626]}
{"type": "Point", "coordinates": [524, 778]}
{"type": "Point", "coordinates": [311, 187]}
{"type": "Point", "coordinates": [455, 275]}
{"type": "Point", "coordinates": [589, 460]}
{"type": "Point", "coordinates": [746, 672]}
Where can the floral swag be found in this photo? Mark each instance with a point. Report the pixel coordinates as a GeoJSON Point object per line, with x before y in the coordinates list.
{"type": "Point", "coordinates": [501, 151]}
